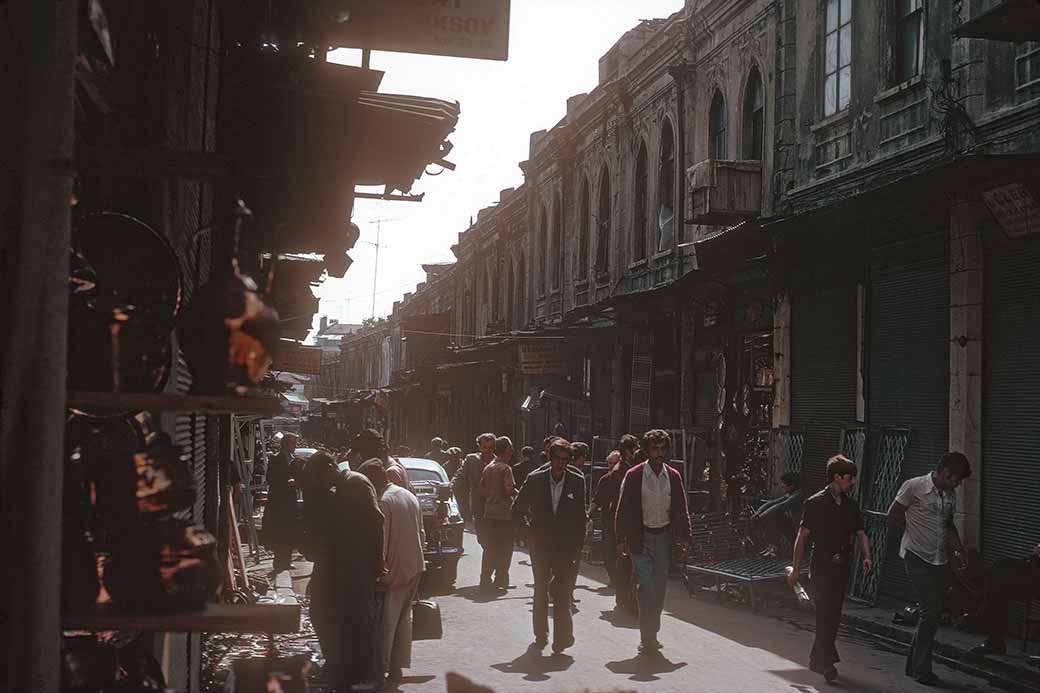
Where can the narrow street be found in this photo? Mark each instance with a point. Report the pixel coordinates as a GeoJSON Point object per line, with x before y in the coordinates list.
{"type": "Point", "coordinates": [709, 646]}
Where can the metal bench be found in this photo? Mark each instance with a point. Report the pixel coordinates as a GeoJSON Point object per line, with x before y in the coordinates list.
{"type": "Point", "coordinates": [721, 547]}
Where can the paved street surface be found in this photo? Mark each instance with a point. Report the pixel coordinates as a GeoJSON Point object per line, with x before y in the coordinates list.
{"type": "Point", "coordinates": [709, 646]}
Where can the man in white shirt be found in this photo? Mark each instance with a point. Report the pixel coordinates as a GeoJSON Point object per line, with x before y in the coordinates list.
{"type": "Point", "coordinates": [652, 523]}
{"type": "Point", "coordinates": [403, 542]}
{"type": "Point", "coordinates": [925, 506]}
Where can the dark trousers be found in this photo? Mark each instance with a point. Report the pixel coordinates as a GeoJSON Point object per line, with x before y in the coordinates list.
{"type": "Point", "coordinates": [929, 583]}
{"type": "Point", "coordinates": [1009, 580]}
{"type": "Point", "coordinates": [553, 574]}
{"type": "Point", "coordinates": [282, 556]}
{"type": "Point", "coordinates": [828, 585]}
{"type": "Point", "coordinates": [498, 551]}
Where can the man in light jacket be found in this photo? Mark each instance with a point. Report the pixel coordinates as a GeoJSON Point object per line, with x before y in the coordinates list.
{"type": "Point", "coordinates": [403, 542]}
{"type": "Point", "coordinates": [498, 488]}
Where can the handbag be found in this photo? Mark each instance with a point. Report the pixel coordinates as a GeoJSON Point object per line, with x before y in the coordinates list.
{"type": "Point", "coordinates": [426, 620]}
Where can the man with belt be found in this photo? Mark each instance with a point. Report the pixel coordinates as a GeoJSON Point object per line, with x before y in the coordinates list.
{"type": "Point", "coordinates": [653, 520]}
{"type": "Point", "coordinates": [830, 520]}
{"type": "Point", "coordinates": [925, 506]}
{"type": "Point", "coordinates": [550, 511]}
{"type": "Point", "coordinates": [498, 489]}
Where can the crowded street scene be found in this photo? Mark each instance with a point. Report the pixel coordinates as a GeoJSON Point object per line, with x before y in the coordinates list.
{"type": "Point", "coordinates": [466, 346]}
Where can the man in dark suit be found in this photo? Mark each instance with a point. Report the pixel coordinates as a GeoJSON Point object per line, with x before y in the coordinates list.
{"type": "Point", "coordinates": [551, 506]}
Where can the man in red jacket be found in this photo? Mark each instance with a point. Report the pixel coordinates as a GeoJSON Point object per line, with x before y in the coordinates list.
{"type": "Point", "coordinates": [652, 521]}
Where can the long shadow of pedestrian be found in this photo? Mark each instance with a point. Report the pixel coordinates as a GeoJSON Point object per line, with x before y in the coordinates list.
{"type": "Point", "coordinates": [644, 668]}
{"type": "Point", "coordinates": [478, 596]}
{"type": "Point", "coordinates": [620, 619]}
{"type": "Point", "coordinates": [534, 665]}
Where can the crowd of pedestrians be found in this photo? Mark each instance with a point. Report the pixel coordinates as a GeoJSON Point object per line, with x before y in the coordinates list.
{"type": "Point", "coordinates": [365, 535]}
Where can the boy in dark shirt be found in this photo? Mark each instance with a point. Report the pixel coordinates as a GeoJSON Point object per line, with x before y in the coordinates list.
{"type": "Point", "coordinates": [830, 520]}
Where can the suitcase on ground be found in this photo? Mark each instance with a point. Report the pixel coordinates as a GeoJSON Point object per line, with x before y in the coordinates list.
{"type": "Point", "coordinates": [426, 620]}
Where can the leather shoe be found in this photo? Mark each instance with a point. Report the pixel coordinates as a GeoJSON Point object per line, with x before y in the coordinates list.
{"type": "Point", "coordinates": [927, 679]}
{"type": "Point", "coordinates": [988, 648]}
{"type": "Point", "coordinates": [541, 641]}
{"type": "Point", "coordinates": [830, 674]}
{"type": "Point", "coordinates": [559, 647]}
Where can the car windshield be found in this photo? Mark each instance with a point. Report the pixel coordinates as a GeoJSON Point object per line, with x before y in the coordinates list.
{"type": "Point", "coordinates": [424, 475]}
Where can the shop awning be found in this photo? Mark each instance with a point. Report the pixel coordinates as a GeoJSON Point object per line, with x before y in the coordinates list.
{"type": "Point", "coordinates": [399, 136]}
{"type": "Point", "coordinates": [1016, 21]}
{"type": "Point", "coordinates": [732, 247]}
{"type": "Point", "coordinates": [913, 201]}
{"type": "Point", "coordinates": [294, 398]}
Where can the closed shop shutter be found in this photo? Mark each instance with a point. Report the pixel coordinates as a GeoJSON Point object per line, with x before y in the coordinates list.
{"type": "Point", "coordinates": [642, 376]}
{"type": "Point", "coordinates": [823, 375]}
{"type": "Point", "coordinates": [1010, 434]}
{"type": "Point", "coordinates": [908, 364]}
{"type": "Point", "coordinates": [190, 435]}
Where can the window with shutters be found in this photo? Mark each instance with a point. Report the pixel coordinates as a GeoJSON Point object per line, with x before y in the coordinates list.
{"type": "Point", "coordinates": [717, 127]}
{"type": "Point", "coordinates": [543, 249]}
{"type": "Point", "coordinates": [837, 56]}
{"type": "Point", "coordinates": [1027, 69]}
{"type": "Point", "coordinates": [639, 222]}
{"type": "Point", "coordinates": [666, 189]}
{"type": "Point", "coordinates": [603, 224]}
{"type": "Point", "coordinates": [582, 269]}
{"type": "Point", "coordinates": [754, 117]}
{"type": "Point", "coordinates": [907, 39]}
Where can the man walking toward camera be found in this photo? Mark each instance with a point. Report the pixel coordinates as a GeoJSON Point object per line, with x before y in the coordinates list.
{"type": "Point", "coordinates": [830, 522]}
{"type": "Point", "coordinates": [924, 506]}
{"type": "Point", "coordinates": [550, 512]}
{"type": "Point", "coordinates": [653, 521]}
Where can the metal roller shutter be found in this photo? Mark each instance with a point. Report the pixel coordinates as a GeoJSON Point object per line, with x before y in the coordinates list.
{"type": "Point", "coordinates": [1010, 434]}
{"type": "Point", "coordinates": [908, 362]}
{"type": "Point", "coordinates": [823, 375]}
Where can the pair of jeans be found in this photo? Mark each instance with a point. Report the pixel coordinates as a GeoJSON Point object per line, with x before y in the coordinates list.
{"type": "Point", "coordinates": [498, 551]}
{"type": "Point", "coordinates": [553, 573]}
{"type": "Point", "coordinates": [651, 567]}
{"type": "Point", "coordinates": [828, 586]}
{"type": "Point", "coordinates": [929, 584]}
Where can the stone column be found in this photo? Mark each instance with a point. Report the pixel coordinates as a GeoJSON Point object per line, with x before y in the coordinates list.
{"type": "Point", "coordinates": [967, 216]}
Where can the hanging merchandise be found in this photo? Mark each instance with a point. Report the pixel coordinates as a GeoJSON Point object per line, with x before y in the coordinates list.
{"type": "Point", "coordinates": [164, 566]}
{"type": "Point", "coordinates": [125, 290]}
{"type": "Point", "coordinates": [89, 665]}
{"type": "Point", "coordinates": [228, 333]}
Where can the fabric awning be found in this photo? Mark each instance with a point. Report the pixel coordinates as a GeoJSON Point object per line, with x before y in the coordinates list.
{"type": "Point", "coordinates": [1016, 21]}
{"type": "Point", "coordinates": [399, 136]}
{"type": "Point", "coordinates": [732, 247]}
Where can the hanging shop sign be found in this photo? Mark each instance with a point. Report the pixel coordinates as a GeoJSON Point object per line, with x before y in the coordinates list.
{"type": "Point", "coordinates": [458, 28]}
{"type": "Point", "coordinates": [297, 359]}
{"type": "Point", "coordinates": [1014, 208]}
{"type": "Point", "coordinates": [541, 359]}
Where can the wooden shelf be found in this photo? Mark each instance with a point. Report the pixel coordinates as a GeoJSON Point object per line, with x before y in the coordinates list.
{"type": "Point", "coordinates": [213, 618]}
{"type": "Point", "coordinates": [121, 402]}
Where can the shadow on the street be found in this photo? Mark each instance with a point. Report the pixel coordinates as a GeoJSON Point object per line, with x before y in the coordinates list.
{"type": "Point", "coordinates": [620, 619]}
{"type": "Point", "coordinates": [645, 668]}
{"type": "Point", "coordinates": [478, 596]}
{"type": "Point", "coordinates": [534, 665]}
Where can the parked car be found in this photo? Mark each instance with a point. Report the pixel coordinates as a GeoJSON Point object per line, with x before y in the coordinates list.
{"type": "Point", "coordinates": [441, 517]}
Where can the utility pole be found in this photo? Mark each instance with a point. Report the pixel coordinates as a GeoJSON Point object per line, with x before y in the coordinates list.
{"type": "Point", "coordinates": [375, 269]}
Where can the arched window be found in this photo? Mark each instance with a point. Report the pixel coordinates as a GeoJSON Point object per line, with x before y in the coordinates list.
{"type": "Point", "coordinates": [754, 117]}
{"type": "Point", "coordinates": [603, 224]}
{"type": "Point", "coordinates": [583, 230]}
{"type": "Point", "coordinates": [666, 189]}
{"type": "Point", "coordinates": [543, 250]}
{"type": "Point", "coordinates": [717, 127]}
{"type": "Point", "coordinates": [556, 256]}
{"type": "Point", "coordinates": [521, 291]}
{"type": "Point", "coordinates": [510, 295]}
{"type": "Point", "coordinates": [639, 230]}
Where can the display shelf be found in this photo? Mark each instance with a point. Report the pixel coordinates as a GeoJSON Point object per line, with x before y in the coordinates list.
{"type": "Point", "coordinates": [122, 402]}
{"type": "Point", "coordinates": [213, 618]}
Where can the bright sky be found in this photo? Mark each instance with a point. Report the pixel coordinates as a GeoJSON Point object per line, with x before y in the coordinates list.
{"type": "Point", "coordinates": [554, 52]}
